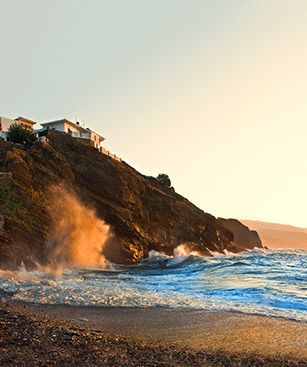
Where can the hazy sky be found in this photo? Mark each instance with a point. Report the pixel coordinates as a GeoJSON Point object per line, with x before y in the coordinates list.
{"type": "Point", "coordinates": [214, 93]}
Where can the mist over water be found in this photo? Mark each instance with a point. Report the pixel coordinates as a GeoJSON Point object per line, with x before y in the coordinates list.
{"type": "Point", "coordinates": [272, 283]}
{"type": "Point", "coordinates": [77, 237]}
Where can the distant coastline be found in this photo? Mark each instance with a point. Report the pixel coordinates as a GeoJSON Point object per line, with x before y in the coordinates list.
{"type": "Point", "coordinates": [274, 235]}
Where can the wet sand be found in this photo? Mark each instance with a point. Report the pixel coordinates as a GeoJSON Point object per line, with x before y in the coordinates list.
{"type": "Point", "coordinates": [232, 332]}
{"type": "Point", "coordinates": [218, 337]}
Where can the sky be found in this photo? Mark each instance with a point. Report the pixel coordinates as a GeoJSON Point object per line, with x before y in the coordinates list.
{"type": "Point", "coordinates": [211, 92]}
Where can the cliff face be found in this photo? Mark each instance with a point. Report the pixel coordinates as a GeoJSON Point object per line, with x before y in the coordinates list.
{"type": "Point", "coordinates": [142, 214]}
{"type": "Point", "coordinates": [244, 238]}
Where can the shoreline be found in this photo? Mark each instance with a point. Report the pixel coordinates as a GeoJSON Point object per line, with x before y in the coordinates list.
{"type": "Point", "coordinates": [167, 309]}
{"type": "Point", "coordinates": [210, 337]}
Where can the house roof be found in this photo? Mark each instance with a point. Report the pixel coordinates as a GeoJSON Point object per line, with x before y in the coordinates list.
{"type": "Point", "coordinates": [78, 127]}
{"type": "Point", "coordinates": [21, 118]}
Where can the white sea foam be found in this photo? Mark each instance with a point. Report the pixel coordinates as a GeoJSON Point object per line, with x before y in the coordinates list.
{"type": "Point", "coordinates": [184, 250]}
{"type": "Point", "coordinates": [270, 283]}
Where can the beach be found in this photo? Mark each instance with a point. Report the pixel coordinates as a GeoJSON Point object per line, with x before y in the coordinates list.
{"type": "Point", "coordinates": [52, 335]}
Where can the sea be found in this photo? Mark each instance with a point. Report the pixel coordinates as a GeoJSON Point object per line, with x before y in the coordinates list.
{"type": "Point", "coordinates": [261, 282]}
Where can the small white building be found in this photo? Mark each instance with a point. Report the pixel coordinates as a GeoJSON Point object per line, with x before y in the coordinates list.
{"type": "Point", "coordinates": [5, 124]}
{"type": "Point", "coordinates": [76, 131]}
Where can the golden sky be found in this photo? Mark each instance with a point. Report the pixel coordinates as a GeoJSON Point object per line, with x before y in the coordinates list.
{"type": "Point", "coordinates": [214, 93]}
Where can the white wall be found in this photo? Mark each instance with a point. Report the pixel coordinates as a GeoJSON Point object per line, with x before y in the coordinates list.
{"type": "Point", "coordinates": [70, 127]}
{"type": "Point", "coordinates": [63, 127]}
{"type": "Point", "coordinates": [5, 123]}
{"type": "Point", "coordinates": [58, 126]}
{"type": "Point", "coordinates": [96, 140]}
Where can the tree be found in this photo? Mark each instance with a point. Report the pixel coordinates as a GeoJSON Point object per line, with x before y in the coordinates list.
{"type": "Point", "coordinates": [20, 134]}
{"type": "Point", "coordinates": [164, 179]}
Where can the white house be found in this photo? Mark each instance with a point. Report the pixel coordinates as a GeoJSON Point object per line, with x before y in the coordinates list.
{"type": "Point", "coordinates": [76, 131]}
{"type": "Point", "coordinates": [5, 124]}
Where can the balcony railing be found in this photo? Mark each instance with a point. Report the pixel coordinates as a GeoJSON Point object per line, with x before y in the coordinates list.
{"type": "Point", "coordinates": [109, 154]}
{"type": "Point", "coordinates": [87, 136]}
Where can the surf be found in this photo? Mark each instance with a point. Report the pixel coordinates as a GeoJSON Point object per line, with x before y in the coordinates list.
{"type": "Point", "coordinates": [271, 283]}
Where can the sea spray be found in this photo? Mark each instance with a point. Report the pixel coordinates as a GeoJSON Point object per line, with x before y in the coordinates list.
{"type": "Point", "coordinates": [184, 250]}
{"type": "Point", "coordinates": [265, 282]}
{"type": "Point", "coordinates": [77, 235]}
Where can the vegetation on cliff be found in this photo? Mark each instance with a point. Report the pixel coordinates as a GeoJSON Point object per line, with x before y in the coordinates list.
{"type": "Point", "coordinates": [21, 135]}
{"type": "Point", "coordinates": [164, 179]}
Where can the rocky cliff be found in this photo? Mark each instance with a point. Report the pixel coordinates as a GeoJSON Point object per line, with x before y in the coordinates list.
{"type": "Point", "coordinates": [143, 214]}
{"type": "Point", "coordinates": [244, 238]}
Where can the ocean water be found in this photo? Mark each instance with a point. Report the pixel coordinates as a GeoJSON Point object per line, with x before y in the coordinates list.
{"type": "Point", "coordinates": [265, 282]}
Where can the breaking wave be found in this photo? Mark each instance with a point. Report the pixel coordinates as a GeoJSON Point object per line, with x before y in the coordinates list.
{"type": "Point", "coordinates": [272, 283]}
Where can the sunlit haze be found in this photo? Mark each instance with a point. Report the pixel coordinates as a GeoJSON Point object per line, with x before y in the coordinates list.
{"type": "Point", "coordinates": [213, 93]}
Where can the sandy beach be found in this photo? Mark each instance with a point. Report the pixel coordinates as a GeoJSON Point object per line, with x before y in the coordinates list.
{"type": "Point", "coordinates": [45, 335]}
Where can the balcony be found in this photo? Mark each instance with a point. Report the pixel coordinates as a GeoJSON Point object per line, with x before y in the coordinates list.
{"type": "Point", "coordinates": [80, 135]}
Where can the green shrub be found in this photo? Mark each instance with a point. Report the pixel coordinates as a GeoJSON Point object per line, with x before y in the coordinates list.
{"type": "Point", "coordinates": [164, 179]}
{"type": "Point", "coordinates": [20, 134]}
